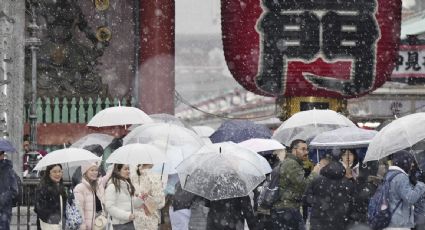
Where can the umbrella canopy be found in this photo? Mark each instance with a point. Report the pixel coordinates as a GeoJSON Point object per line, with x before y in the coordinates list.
{"type": "Point", "coordinates": [165, 118]}
{"type": "Point", "coordinates": [239, 130]}
{"type": "Point", "coordinates": [134, 154]}
{"type": "Point", "coordinates": [260, 145]}
{"type": "Point", "coordinates": [400, 134]}
{"type": "Point", "coordinates": [6, 146]}
{"type": "Point", "coordinates": [120, 115]}
{"type": "Point", "coordinates": [217, 176]}
{"type": "Point", "coordinates": [176, 141]}
{"type": "Point", "coordinates": [93, 139]}
{"type": "Point", "coordinates": [70, 156]}
{"type": "Point", "coordinates": [307, 124]}
{"type": "Point", "coordinates": [346, 137]}
{"type": "Point", "coordinates": [239, 151]}
{"type": "Point", "coordinates": [203, 130]}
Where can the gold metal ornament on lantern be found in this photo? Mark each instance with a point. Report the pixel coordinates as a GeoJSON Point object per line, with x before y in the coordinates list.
{"type": "Point", "coordinates": [103, 34]}
{"type": "Point", "coordinates": [291, 105]}
{"type": "Point", "coordinates": [101, 5]}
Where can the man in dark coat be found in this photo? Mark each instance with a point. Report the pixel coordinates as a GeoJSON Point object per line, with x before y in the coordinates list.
{"type": "Point", "coordinates": [8, 191]}
{"type": "Point", "coordinates": [230, 214]}
{"type": "Point", "coordinates": [331, 197]}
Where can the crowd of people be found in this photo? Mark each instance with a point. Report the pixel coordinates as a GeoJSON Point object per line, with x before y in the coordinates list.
{"type": "Point", "coordinates": [333, 194]}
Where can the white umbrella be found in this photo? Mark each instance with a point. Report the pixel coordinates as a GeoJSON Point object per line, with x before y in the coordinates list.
{"type": "Point", "coordinates": [92, 139]}
{"type": "Point", "coordinates": [217, 176]}
{"type": "Point", "coordinates": [239, 151]}
{"type": "Point", "coordinates": [119, 115]}
{"type": "Point", "coordinates": [70, 156]}
{"type": "Point", "coordinates": [346, 137]}
{"type": "Point", "coordinates": [177, 142]}
{"type": "Point", "coordinates": [307, 124]}
{"type": "Point", "coordinates": [134, 154]}
{"type": "Point", "coordinates": [400, 134]}
{"type": "Point", "coordinates": [260, 144]}
{"type": "Point", "coordinates": [165, 118]}
{"type": "Point", "coordinates": [203, 130]}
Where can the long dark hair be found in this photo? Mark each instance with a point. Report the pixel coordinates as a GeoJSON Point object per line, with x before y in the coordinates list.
{"type": "Point", "coordinates": [116, 177]}
{"type": "Point", "coordinates": [55, 188]}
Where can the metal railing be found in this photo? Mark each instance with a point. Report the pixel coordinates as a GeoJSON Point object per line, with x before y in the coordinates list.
{"type": "Point", "coordinates": [27, 200]}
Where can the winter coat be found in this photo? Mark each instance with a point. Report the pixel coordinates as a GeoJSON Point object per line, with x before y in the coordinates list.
{"type": "Point", "coordinates": [365, 188]}
{"type": "Point", "coordinates": [230, 214]}
{"type": "Point", "coordinates": [8, 192]}
{"type": "Point", "coordinates": [120, 205]}
{"type": "Point", "coordinates": [292, 183]}
{"type": "Point", "coordinates": [86, 200]}
{"type": "Point", "coordinates": [152, 185]}
{"type": "Point", "coordinates": [331, 198]}
{"type": "Point", "coordinates": [47, 204]}
{"type": "Point", "coordinates": [402, 190]}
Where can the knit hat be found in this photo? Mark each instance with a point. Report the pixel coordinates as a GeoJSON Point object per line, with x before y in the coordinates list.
{"type": "Point", "coordinates": [403, 159]}
{"type": "Point", "coordinates": [86, 166]}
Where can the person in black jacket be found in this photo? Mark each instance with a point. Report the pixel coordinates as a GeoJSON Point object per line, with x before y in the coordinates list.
{"type": "Point", "coordinates": [230, 214]}
{"type": "Point", "coordinates": [8, 191]}
{"type": "Point", "coordinates": [47, 195]}
{"type": "Point", "coordinates": [331, 197]}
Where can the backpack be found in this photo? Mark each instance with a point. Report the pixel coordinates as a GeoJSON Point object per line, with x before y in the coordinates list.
{"type": "Point", "coordinates": [379, 213]}
{"type": "Point", "coordinates": [270, 191]}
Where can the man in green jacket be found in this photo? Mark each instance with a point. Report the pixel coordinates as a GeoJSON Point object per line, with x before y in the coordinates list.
{"type": "Point", "coordinates": [286, 213]}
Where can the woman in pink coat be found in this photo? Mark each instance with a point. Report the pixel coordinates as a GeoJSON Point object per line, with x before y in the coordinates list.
{"type": "Point", "coordinates": [90, 194]}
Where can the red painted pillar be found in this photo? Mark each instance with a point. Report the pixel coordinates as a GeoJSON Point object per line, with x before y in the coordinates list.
{"type": "Point", "coordinates": [156, 69]}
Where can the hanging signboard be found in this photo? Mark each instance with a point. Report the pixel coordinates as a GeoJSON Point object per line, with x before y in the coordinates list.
{"type": "Point", "coordinates": [324, 48]}
{"type": "Point", "coordinates": [410, 62]}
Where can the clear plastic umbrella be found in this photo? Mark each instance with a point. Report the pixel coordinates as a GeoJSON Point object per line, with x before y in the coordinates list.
{"type": "Point", "coordinates": [307, 124]}
{"type": "Point", "coordinates": [134, 154]}
{"type": "Point", "coordinates": [92, 139]}
{"type": "Point", "coordinates": [217, 176]}
{"type": "Point", "coordinates": [177, 142]}
{"type": "Point", "coordinates": [346, 137]}
{"type": "Point", "coordinates": [239, 151]}
{"type": "Point", "coordinates": [402, 133]}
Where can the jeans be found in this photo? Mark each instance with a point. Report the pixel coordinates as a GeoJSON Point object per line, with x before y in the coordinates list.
{"type": "Point", "coordinates": [287, 219]}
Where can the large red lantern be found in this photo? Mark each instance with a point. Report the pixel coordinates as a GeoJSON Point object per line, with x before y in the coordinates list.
{"type": "Point", "coordinates": [301, 48]}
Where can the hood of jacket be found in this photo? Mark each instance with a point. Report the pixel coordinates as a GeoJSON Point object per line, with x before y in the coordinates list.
{"type": "Point", "coordinates": [334, 171]}
{"type": "Point", "coordinates": [5, 164]}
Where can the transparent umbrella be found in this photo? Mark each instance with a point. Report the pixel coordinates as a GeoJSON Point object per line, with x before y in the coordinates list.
{"type": "Point", "coordinates": [217, 176]}
{"type": "Point", "coordinates": [134, 154]}
{"type": "Point", "coordinates": [239, 151]}
{"type": "Point", "coordinates": [307, 124]}
{"type": "Point", "coordinates": [402, 133]}
{"type": "Point", "coordinates": [92, 139]}
{"type": "Point", "coordinates": [346, 137]}
{"type": "Point", "coordinates": [175, 141]}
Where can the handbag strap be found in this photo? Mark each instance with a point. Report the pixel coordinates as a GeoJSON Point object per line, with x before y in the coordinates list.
{"type": "Point", "coordinates": [61, 204]}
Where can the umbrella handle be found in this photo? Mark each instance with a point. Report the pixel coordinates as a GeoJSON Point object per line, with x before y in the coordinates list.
{"type": "Point", "coordinates": [185, 181]}
{"type": "Point", "coordinates": [162, 170]}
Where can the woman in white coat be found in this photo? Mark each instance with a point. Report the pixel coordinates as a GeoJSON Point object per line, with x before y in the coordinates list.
{"type": "Point", "coordinates": [149, 187]}
{"type": "Point", "coordinates": [120, 201]}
